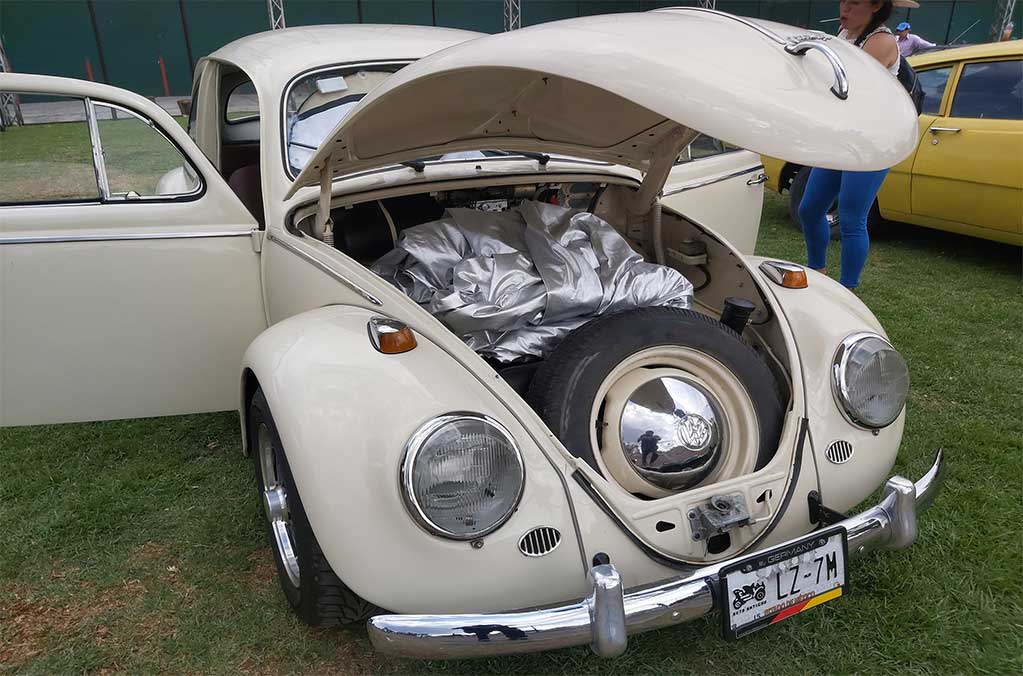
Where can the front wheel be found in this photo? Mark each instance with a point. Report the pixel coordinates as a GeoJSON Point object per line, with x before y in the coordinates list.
{"type": "Point", "coordinates": [314, 591]}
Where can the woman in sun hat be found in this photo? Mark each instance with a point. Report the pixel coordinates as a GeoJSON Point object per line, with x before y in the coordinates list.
{"type": "Point", "coordinates": [863, 24]}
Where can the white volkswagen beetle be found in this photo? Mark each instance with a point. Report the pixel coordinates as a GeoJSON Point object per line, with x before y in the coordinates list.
{"type": "Point", "coordinates": [507, 366]}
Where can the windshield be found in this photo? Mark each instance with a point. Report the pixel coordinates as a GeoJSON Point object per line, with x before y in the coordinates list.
{"type": "Point", "coordinates": [317, 102]}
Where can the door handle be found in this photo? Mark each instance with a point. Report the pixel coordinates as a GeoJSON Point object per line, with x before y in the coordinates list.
{"type": "Point", "coordinates": [762, 178]}
{"type": "Point", "coordinates": [954, 130]}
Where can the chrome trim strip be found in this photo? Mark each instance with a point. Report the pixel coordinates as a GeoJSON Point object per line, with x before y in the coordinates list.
{"type": "Point", "coordinates": [890, 524]}
{"type": "Point", "coordinates": [757, 27]}
{"type": "Point", "coordinates": [99, 164]}
{"type": "Point", "coordinates": [52, 239]}
{"type": "Point", "coordinates": [711, 181]}
{"type": "Point", "coordinates": [325, 268]}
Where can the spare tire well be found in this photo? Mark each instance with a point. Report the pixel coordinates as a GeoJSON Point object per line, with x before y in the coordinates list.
{"type": "Point", "coordinates": [728, 424]}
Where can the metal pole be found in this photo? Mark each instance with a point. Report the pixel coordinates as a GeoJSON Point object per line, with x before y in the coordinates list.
{"type": "Point", "coordinates": [1003, 15]}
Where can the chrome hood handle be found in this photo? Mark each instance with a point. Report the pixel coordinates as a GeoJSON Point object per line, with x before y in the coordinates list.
{"type": "Point", "coordinates": [841, 86]}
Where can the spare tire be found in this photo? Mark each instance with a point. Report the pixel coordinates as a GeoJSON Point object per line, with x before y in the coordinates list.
{"type": "Point", "coordinates": [660, 400]}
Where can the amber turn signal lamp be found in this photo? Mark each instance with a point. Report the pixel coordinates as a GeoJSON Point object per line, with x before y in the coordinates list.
{"type": "Point", "coordinates": [788, 275]}
{"type": "Point", "coordinates": [390, 336]}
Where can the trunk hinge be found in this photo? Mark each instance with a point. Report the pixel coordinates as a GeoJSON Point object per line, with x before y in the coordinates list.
{"type": "Point", "coordinates": [324, 223]}
{"type": "Point", "coordinates": [660, 166]}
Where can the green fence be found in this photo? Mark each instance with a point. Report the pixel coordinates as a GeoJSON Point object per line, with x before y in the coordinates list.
{"type": "Point", "coordinates": [140, 44]}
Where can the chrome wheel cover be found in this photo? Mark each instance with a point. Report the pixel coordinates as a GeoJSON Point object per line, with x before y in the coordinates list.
{"type": "Point", "coordinates": [671, 432]}
{"type": "Point", "coordinates": [275, 504]}
{"type": "Point", "coordinates": [708, 427]}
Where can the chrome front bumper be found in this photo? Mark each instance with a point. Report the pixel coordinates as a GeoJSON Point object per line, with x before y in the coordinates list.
{"type": "Point", "coordinates": [610, 614]}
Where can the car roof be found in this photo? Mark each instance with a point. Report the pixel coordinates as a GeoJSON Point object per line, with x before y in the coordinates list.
{"type": "Point", "coordinates": [982, 51]}
{"type": "Point", "coordinates": [272, 58]}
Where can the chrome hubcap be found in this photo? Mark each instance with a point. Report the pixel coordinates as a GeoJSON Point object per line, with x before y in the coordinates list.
{"type": "Point", "coordinates": [275, 505]}
{"type": "Point", "coordinates": [671, 431]}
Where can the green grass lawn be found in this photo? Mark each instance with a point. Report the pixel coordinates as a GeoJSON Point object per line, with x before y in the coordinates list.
{"type": "Point", "coordinates": [138, 546]}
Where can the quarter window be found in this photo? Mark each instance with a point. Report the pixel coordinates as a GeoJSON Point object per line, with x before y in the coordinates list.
{"type": "Point", "coordinates": [50, 161]}
{"type": "Point", "coordinates": [933, 84]}
{"type": "Point", "coordinates": [992, 90]}
{"type": "Point", "coordinates": [242, 104]}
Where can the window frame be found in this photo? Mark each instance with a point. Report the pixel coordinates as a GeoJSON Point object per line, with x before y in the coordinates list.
{"type": "Point", "coordinates": [227, 100]}
{"type": "Point", "coordinates": [99, 161]}
{"type": "Point", "coordinates": [950, 85]}
{"type": "Point", "coordinates": [950, 98]}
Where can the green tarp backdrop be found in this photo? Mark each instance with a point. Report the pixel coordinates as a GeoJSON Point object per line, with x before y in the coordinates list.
{"type": "Point", "coordinates": [122, 42]}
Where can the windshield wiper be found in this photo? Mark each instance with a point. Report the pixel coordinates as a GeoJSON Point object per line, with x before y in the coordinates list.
{"type": "Point", "coordinates": [416, 165]}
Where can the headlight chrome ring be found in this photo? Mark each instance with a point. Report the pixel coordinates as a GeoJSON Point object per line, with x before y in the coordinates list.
{"type": "Point", "coordinates": [865, 404]}
{"type": "Point", "coordinates": [457, 468]}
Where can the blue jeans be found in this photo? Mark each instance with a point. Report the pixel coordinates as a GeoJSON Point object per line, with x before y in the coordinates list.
{"type": "Point", "coordinates": [856, 191]}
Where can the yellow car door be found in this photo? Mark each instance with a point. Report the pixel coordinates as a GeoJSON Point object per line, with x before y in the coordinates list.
{"type": "Point", "coordinates": [968, 172]}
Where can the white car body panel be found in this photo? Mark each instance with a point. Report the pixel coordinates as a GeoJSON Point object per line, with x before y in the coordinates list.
{"type": "Point", "coordinates": [722, 192]}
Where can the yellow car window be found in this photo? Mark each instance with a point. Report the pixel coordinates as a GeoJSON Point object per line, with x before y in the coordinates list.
{"type": "Point", "coordinates": [933, 83]}
{"type": "Point", "coordinates": [991, 90]}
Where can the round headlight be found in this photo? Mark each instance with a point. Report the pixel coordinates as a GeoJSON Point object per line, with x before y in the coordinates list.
{"type": "Point", "coordinates": [462, 476]}
{"type": "Point", "coordinates": [870, 380]}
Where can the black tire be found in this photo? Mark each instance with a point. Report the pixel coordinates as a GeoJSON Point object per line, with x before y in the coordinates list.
{"type": "Point", "coordinates": [320, 598]}
{"type": "Point", "coordinates": [796, 190]}
{"type": "Point", "coordinates": [567, 383]}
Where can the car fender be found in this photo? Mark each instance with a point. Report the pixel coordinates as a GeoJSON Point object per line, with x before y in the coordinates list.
{"type": "Point", "coordinates": [821, 316]}
{"type": "Point", "coordinates": [344, 412]}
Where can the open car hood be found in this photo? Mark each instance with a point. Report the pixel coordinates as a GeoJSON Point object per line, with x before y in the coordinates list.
{"type": "Point", "coordinates": [628, 89]}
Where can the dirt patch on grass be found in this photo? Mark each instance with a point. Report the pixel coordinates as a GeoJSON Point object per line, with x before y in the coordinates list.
{"type": "Point", "coordinates": [32, 621]}
{"type": "Point", "coordinates": [262, 569]}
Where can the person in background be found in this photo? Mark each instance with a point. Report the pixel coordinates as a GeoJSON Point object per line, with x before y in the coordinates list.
{"type": "Point", "coordinates": [910, 44]}
{"type": "Point", "coordinates": [863, 24]}
{"type": "Point", "coordinates": [1007, 32]}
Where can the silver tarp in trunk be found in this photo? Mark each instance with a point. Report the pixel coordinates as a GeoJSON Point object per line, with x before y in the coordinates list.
{"type": "Point", "coordinates": [513, 283]}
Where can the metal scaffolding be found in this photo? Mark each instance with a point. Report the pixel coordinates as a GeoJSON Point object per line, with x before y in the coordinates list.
{"type": "Point", "coordinates": [1003, 16]}
{"type": "Point", "coordinates": [275, 8]}
{"type": "Point", "coordinates": [512, 14]}
{"type": "Point", "coordinates": [10, 109]}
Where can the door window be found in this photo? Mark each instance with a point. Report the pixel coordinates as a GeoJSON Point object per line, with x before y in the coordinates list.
{"type": "Point", "coordinates": [50, 161]}
{"type": "Point", "coordinates": [139, 160]}
{"type": "Point", "coordinates": [933, 83]}
{"type": "Point", "coordinates": [704, 146]}
{"type": "Point", "coordinates": [992, 91]}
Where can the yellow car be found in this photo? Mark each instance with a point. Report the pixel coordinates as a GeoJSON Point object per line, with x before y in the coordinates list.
{"type": "Point", "coordinates": [966, 175]}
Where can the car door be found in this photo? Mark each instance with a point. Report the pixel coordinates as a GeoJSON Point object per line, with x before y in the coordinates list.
{"type": "Point", "coordinates": [130, 284]}
{"type": "Point", "coordinates": [720, 186]}
{"type": "Point", "coordinates": [968, 170]}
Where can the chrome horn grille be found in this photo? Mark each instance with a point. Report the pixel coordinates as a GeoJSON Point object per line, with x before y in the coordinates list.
{"type": "Point", "coordinates": [839, 452]}
{"type": "Point", "coordinates": [540, 541]}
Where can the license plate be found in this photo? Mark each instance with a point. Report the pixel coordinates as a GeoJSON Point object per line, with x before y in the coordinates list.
{"type": "Point", "coordinates": [778, 583]}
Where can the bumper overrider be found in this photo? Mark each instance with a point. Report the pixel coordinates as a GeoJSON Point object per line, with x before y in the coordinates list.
{"type": "Point", "coordinates": [609, 614]}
